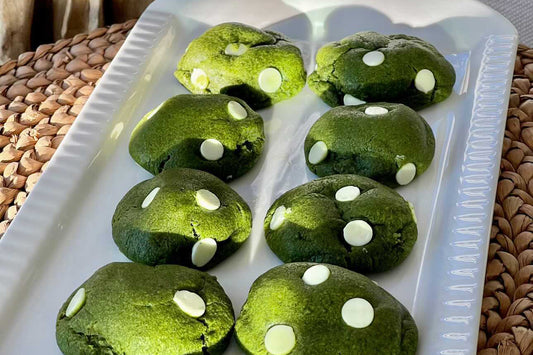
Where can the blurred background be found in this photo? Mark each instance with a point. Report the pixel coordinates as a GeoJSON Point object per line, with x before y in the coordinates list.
{"type": "Point", "coordinates": [25, 24]}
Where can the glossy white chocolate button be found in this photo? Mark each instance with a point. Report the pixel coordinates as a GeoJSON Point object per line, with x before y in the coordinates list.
{"type": "Point", "coordinates": [406, 174]}
{"type": "Point", "coordinates": [351, 100]}
{"type": "Point", "coordinates": [149, 198]}
{"type": "Point", "coordinates": [199, 78]}
{"type": "Point", "coordinates": [373, 58]}
{"type": "Point", "coordinates": [203, 251]}
{"type": "Point", "coordinates": [318, 152]}
{"type": "Point", "coordinates": [316, 274]}
{"type": "Point", "coordinates": [357, 233]}
{"type": "Point", "coordinates": [347, 193]}
{"type": "Point", "coordinates": [269, 80]}
{"type": "Point", "coordinates": [236, 110]}
{"type": "Point", "coordinates": [425, 81]}
{"type": "Point", "coordinates": [190, 303]}
{"type": "Point", "coordinates": [212, 149]}
{"type": "Point", "coordinates": [278, 218]}
{"type": "Point", "coordinates": [207, 200]}
{"type": "Point", "coordinates": [357, 313]}
{"type": "Point", "coordinates": [235, 49]}
{"type": "Point", "coordinates": [76, 302]}
{"type": "Point", "coordinates": [280, 339]}
{"type": "Point", "coordinates": [376, 110]}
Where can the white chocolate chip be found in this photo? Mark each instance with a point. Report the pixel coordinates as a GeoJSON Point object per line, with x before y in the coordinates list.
{"type": "Point", "coordinates": [280, 339]}
{"type": "Point", "coordinates": [376, 110]}
{"type": "Point", "coordinates": [357, 233]}
{"type": "Point", "coordinates": [425, 81]}
{"type": "Point", "coordinates": [76, 302]}
{"type": "Point", "coordinates": [150, 197]}
{"type": "Point", "coordinates": [199, 78]}
{"type": "Point", "coordinates": [269, 80]}
{"type": "Point", "coordinates": [207, 200]}
{"type": "Point", "coordinates": [347, 193]}
{"type": "Point", "coordinates": [318, 152]}
{"type": "Point", "coordinates": [278, 217]}
{"type": "Point", "coordinates": [235, 49]}
{"type": "Point", "coordinates": [373, 58]}
{"type": "Point", "coordinates": [203, 251]}
{"type": "Point", "coordinates": [357, 313]}
{"type": "Point", "coordinates": [412, 208]}
{"type": "Point", "coordinates": [211, 149]}
{"type": "Point", "coordinates": [236, 110]}
{"type": "Point", "coordinates": [406, 174]}
{"type": "Point", "coordinates": [316, 274]}
{"type": "Point", "coordinates": [351, 100]}
{"type": "Point", "coordinates": [190, 303]}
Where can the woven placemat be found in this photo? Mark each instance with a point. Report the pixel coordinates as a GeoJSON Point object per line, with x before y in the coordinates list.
{"type": "Point", "coordinates": [41, 93]}
{"type": "Point", "coordinates": [507, 309]}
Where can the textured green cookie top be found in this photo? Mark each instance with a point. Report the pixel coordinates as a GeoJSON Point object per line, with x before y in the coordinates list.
{"type": "Point", "coordinates": [134, 309]}
{"type": "Point", "coordinates": [181, 216]}
{"type": "Point", "coordinates": [219, 134]}
{"type": "Point", "coordinates": [387, 142]}
{"type": "Point", "coordinates": [316, 309]}
{"type": "Point", "coordinates": [260, 67]}
{"type": "Point", "coordinates": [372, 67]}
{"type": "Point", "coordinates": [346, 220]}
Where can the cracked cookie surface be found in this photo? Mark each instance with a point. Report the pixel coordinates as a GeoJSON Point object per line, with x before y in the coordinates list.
{"type": "Point", "coordinates": [389, 143]}
{"type": "Point", "coordinates": [129, 308]}
{"type": "Point", "coordinates": [219, 134]}
{"type": "Point", "coordinates": [346, 220]}
{"type": "Point", "coordinates": [259, 66]}
{"type": "Point", "coordinates": [181, 216]}
{"type": "Point", "coordinates": [341, 312]}
{"type": "Point", "coordinates": [370, 67]}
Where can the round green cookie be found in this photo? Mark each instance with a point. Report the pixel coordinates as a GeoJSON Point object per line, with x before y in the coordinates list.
{"type": "Point", "coordinates": [260, 67]}
{"type": "Point", "coordinates": [134, 309]}
{"type": "Point", "coordinates": [389, 143]}
{"type": "Point", "coordinates": [317, 309]}
{"type": "Point", "coordinates": [370, 67]}
{"type": "Point", "coordinates": [346, 220]}
{"type": "Point", "coordinates": [219, 134]}
{"type": "Point", "coordinates": [181, 216]}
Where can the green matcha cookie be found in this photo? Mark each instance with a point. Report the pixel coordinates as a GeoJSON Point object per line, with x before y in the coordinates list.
{"type": "Point", "coordinates": [260, 67]}
{"type": "Point", "coordinates": [389, 143]}
{"type": "Point", "coordinates": [317, 309]}
{"type": "Point", "coordinates": [346, 220]}
{"type": "Point", "coordinates": [368, 66]}
{"type": "Point", "coordinates": [217, 133]}
{"type": "Point", "coordinates": [134, 309]}
{"type": "Point", "coordinates": [181, 216]}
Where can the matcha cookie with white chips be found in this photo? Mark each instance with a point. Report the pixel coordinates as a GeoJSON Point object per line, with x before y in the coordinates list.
{"type": "Point", "coordinates": [370, 67]}
{"type": "Point", "coordinates": [261, 67]}
{"type": "Point", "coordinates": [389, 143]}
{"type": "Point", "coordinates": [134, 309]}
{"type": "Point", "coordinates": [316, 309]}
{"type": "Point", "coordinates": [181, 216]}
{"type": "Point", "coordinates": [346, 220]}
{"type": "Point", "coordinates": [219, 134]}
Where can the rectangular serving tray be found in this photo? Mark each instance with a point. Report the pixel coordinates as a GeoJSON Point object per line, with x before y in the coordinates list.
{"type": "Point", "coordinates": [63, 232]}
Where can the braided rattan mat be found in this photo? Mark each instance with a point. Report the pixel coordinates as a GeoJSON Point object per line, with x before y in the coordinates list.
{"type": "Point", "coordinates": [507, 310]}
{"type": "Point", "coordinates": [41, 94]}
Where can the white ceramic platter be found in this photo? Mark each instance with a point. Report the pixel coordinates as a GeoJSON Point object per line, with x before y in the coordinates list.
{"type": "Point", "coordinates": [63, 232]}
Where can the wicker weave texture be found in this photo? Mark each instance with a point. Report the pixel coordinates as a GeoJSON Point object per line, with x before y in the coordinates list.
{"type": "Point", "coordinates": [507, 309]}
{"type": "Point", "coordinates": [41, 94]}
